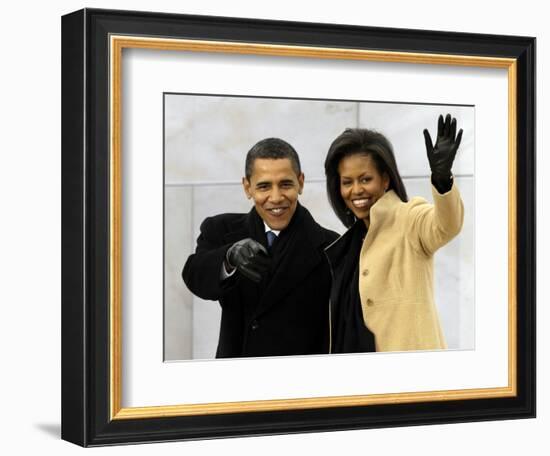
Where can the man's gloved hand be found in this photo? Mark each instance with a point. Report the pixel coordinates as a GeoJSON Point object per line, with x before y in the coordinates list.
{"type": "Point", "coordinates": [249, 257]}
{"type": "Point", "coordinates": [441, 156]}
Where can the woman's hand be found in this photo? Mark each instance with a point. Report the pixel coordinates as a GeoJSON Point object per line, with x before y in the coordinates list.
{"type": "Point", "coordinates": [441, 156]}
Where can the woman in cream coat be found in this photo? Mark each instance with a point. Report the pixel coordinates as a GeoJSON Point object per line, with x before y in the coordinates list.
{"type": "Point", "coordinates": [382, 291]}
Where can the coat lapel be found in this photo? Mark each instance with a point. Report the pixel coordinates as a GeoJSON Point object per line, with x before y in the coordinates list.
{"type": "Point", "coordinates": [242, 228]}
{"type": "Point", "coordinates": [298, 256]}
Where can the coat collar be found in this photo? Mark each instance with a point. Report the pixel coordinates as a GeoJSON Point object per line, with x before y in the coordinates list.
{"type": "Point", "coordinates": [252, 225]}
{"type": "Point", "coordinates": [382, 214]}
{"type": "Point", "coordinates": [384, 209]}
{"type": "Point", "coordinates": [246, 225]}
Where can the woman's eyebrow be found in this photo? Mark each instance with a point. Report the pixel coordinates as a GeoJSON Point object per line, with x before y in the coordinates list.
{"type": "Point", "coordinates": [353, 177]}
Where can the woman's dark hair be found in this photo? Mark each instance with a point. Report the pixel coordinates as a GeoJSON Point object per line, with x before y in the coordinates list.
{"type": "Point", "coordinates": [360, 141]}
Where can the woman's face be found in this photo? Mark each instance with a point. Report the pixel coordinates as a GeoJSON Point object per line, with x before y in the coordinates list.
{"type": "Point", "coordinates": [361, 185]}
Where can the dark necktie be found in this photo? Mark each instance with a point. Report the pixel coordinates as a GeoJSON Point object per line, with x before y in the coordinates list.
{"type": "Point", "coordinates": [271, 236]}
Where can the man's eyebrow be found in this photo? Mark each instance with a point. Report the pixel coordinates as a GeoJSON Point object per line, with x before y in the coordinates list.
{"type": "Point", "coordinates": [263, 183]}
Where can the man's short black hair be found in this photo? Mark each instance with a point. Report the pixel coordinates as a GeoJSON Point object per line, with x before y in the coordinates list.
{"type": "Point", "coordinates": [273, 148]}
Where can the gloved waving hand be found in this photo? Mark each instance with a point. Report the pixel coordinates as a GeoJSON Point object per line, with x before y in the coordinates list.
{"type": "Point", "coordinates": [441, 156]}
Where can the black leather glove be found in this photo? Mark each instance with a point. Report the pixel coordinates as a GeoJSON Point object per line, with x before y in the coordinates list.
{"type": "Point", "coordinates": [441, 156]}
{"type": "Point", "coordinates": [249, 257]}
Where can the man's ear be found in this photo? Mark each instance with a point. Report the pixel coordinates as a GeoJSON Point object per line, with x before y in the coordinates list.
{"type": "Point", "coordinates": [301, 178]}
{"type": "Point", "coordinates": [246, 187]}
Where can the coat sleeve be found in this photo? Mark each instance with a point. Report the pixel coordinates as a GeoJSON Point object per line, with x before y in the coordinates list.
{"type": "Point", "coordinates": [431, 226]}
{"type": "Point", "coordinates": [202, 270]}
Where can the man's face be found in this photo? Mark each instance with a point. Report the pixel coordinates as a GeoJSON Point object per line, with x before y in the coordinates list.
{"type": "Point", "coordinates": [274, 187]}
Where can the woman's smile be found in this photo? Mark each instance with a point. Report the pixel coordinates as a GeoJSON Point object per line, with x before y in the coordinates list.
{"type": "Point", "coordinates": [361, 203]}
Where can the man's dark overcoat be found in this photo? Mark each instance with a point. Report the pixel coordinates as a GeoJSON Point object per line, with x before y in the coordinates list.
{"type": "Point", "coordinates": [287, 312]}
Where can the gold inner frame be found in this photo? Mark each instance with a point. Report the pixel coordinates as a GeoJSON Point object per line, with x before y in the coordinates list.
{"type": "Point", "coordinates": [117, 44]}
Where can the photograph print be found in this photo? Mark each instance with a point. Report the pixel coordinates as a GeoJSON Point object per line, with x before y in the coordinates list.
{"type": "Point", "coordinates": [314, 227]}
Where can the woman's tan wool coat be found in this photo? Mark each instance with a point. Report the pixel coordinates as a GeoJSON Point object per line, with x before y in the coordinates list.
{"type": "Point", "coordinates": [396, 268]}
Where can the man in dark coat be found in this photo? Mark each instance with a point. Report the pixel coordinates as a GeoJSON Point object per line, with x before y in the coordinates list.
{"type": "Point", "coordinates": [267, 268]}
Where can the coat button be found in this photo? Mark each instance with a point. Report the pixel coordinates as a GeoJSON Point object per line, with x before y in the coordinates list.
{"type": "Point", "coordinates": [365, 272]}
{"type": "Point", "coordinates": [370, 302]}
{"type": "Point", "coordinates": [255, 325]}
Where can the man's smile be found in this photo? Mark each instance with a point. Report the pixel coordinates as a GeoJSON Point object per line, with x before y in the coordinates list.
{"type": "Point", "coordinates": [277, 211]}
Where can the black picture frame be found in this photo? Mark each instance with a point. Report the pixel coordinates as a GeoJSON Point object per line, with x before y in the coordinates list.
{"type": "Point", "coordinates": [87, 391]}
